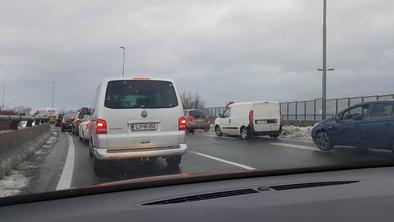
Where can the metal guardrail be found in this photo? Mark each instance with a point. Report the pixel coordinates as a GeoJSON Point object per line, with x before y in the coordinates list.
{"type": "Point", "coordinates": [311, 110]}
{"type": "Point", "coordinates": [15, 120]}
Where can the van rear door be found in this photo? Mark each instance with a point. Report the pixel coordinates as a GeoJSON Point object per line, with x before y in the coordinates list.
{"type": "Point", "coordinates": [266, 117]}
{"type": "Point", "coordinates": [141, 114]}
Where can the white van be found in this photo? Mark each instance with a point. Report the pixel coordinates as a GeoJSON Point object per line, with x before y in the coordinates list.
{"type": "Point", "coordinates": [45, 112]}
{"type": "Point", "coordinates": [140, 118]}
{"type": "Point", "coordinates": [250, 119]}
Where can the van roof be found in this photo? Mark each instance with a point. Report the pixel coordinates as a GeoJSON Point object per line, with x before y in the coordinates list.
{"type": "Point", "coordinates": [253, 102]}
{"type": "Point", "coordinates": [132, 78]}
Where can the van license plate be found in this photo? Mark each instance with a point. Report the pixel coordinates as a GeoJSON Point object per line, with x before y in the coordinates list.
{"type": "Point", "coordinates": [261, 121]}
{"type": "Point", "coordinates": [144, 126]}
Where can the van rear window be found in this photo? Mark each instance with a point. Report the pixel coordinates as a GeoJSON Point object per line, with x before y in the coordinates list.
{"type": "Point", "coordinates": [134, 94]}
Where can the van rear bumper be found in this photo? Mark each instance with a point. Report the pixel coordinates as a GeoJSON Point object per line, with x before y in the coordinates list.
{"type": "Point", "coordinates": [104, 154]}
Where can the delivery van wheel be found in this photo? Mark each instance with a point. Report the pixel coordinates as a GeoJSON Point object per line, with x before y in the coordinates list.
{"type": "Point", "coordinates": [245, 134]}
{"type": "Point", "coordinates": [218, 131]}
{"type": "Point", "coordinates": [274, 135]}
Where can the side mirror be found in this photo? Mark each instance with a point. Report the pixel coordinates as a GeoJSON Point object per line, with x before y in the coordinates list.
{"type": "Point", "coordinates": [221, 115]}
{"type": "Point", "coordinates": [336, 117]}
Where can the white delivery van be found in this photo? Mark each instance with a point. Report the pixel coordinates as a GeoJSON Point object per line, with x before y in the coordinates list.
{"type": "Point", "coordinates": [137, 118]}
{"type": "Point", "coordinates": [249, 119]}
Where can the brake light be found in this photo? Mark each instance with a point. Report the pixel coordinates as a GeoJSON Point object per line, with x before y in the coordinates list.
{"type": "Point", "coordinates": [251, 118]}
{"type": "Point", "coordinates": [182, 123]}
{"type": "Point", "coordinates": [101, 126]}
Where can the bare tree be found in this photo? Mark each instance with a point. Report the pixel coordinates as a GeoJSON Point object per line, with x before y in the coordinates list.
{"type": "Point", "coordinates": [192, 101]}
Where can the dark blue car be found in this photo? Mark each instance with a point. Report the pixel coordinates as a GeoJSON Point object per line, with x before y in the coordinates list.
{"type": "Point", "coordinates": [367, 125]}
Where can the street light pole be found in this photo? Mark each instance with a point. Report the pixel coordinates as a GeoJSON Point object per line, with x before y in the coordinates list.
{"type": "Point", "coordinates": [53, 93]}
{"type": "Point", "coordinates": [124, 55]}
{"type": "Point", "coordinates": [2, 106]}
{"type": "Point", "coordinates": [324, 68]}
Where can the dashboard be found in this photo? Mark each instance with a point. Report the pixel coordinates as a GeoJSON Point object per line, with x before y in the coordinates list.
{"type": "Point", "coordinates": [348, 195]}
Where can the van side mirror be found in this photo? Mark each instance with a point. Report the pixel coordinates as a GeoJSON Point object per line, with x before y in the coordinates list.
{"type": "Point", "coordinates": [221, 115]}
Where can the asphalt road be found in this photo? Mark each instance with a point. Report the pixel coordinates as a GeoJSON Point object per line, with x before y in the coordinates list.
{"type": "Point", "coordinates": [206, 154]}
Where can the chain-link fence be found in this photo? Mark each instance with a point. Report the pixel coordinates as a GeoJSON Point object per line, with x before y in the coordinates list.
{"type": "Point", "coordinates": [312, 109]}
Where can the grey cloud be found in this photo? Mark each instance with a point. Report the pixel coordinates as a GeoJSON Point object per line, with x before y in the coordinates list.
{"type": "Point", "coordinates": [225, 50]}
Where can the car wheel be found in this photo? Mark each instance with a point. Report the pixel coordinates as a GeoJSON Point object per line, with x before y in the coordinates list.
{"type": "Point", "coordinates": [191, 130]}
{"type": "Point", "coordinates": [174, 162]}
{"type": "Point", "coordinates": [218, 131]}
{"type": "Point", "coordinates": [323, 142]}
{"type": "Point", "coordinates": [245, 133]}
{"type": "Point", "coordinates": [90, 148]}
{"type": "Point", "coordinates": [206, 129]}
{"type": "Point", "coordinates": [274, 135]}
{"type": "Point", "coordinates": [98, 166]}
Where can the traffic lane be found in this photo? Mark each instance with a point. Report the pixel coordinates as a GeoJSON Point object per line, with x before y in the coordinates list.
{"type": "Point", "coordinates": [50, 167]}
{"type": "Point", "coordinates": [117, 170]}
{"type": "Point", "coordinates": [270, 154]}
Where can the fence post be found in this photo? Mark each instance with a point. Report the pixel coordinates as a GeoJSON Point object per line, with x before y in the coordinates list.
{"type": "Point", "coordinates": [336, 106]}
{"type": "Point", "coordinates": [304, 110]}
{"type": "Point", "coordinates": [377, 98]}
{"type": "Point", "coordinates": [287, 113]}
{"type": "Point", "coordinates": [314, 109]}
{"type": "Point", "coordinates": [348, 102]}
{"type": "Point", "coordinates": [362, 98]}
{"type": "Point", "coordinates": [296, 110]}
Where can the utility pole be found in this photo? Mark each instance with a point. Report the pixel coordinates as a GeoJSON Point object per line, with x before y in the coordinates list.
{"type": "Point", "coordinates": [324, 68]}
{"type": "Point", "coordinates": [124, 55]}
{"type": "Point", "coordinates": [53, 93]}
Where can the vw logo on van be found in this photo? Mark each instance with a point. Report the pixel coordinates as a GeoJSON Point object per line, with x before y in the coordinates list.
{"type": "Point", "coordinates": [144, 114]}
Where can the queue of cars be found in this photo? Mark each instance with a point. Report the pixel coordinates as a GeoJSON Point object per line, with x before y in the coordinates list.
{"type": "Point", "coordinates": [143, 118]}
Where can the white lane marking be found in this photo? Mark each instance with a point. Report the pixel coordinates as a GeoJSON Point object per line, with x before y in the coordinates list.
{"type": "Point", "coordinates": [295, 146]}
{"type": "Point", "coordinates": [68, 169]}
{"type": "Point", "coordinates": [296, 140]}
{"type": "Point", "coordinates": [224, 161]}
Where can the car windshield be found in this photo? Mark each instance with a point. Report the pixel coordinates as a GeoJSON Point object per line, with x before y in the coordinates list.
{"type": "Point", "coordinates": [100, 93]}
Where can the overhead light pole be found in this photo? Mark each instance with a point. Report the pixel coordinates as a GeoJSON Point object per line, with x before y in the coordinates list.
{"type": "Point", "coordinates": [124, 55]}
{"type": "Point", "coordinates": [2, 105]}
{"type": "Point", "coordinates": [324, 68]}
{"type": "Point", "coordinates": [53, 94]}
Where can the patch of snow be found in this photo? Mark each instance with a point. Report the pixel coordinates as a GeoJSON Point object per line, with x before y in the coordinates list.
{"type": "Point", "coordinates": [13, 183]}
{"type": "Point", "coordinates": [297, 132]}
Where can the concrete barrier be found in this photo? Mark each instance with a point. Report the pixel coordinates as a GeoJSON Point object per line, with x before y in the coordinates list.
{"type": "Point", "coordinates": [16, 145]}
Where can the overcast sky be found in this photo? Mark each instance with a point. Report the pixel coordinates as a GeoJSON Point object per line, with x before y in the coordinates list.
{"type": "Point", "coordinates": [224, 50]}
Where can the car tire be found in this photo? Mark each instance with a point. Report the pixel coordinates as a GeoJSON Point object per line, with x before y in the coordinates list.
{"type": "Point", "coordinates": [274, 135]}
{"type": "Point", "coordinates": [245, 133]}
{"type": "Point", "coordinates": [191, 130]}
{"type": "Point", "coordinates": [98, 166]}
{"type": "Point", "coordinates": [323, 141]}
{"type": "Point", "coordinates": [173, 162]}
{"type": "Point", "coordinates": [90, 148]}
{"type": "Point", "coordinates": [206, 129]}
{"type": "Point", "coordinates": [218, 131]}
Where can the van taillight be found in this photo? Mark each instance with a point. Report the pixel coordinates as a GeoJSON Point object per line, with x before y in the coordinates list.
{"type": "Point", "coordinates": [182, 123]}
{"type": "Point", "coordinates": [101, 126]}
{"type": "Point", "coordinates": [251, 118]}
